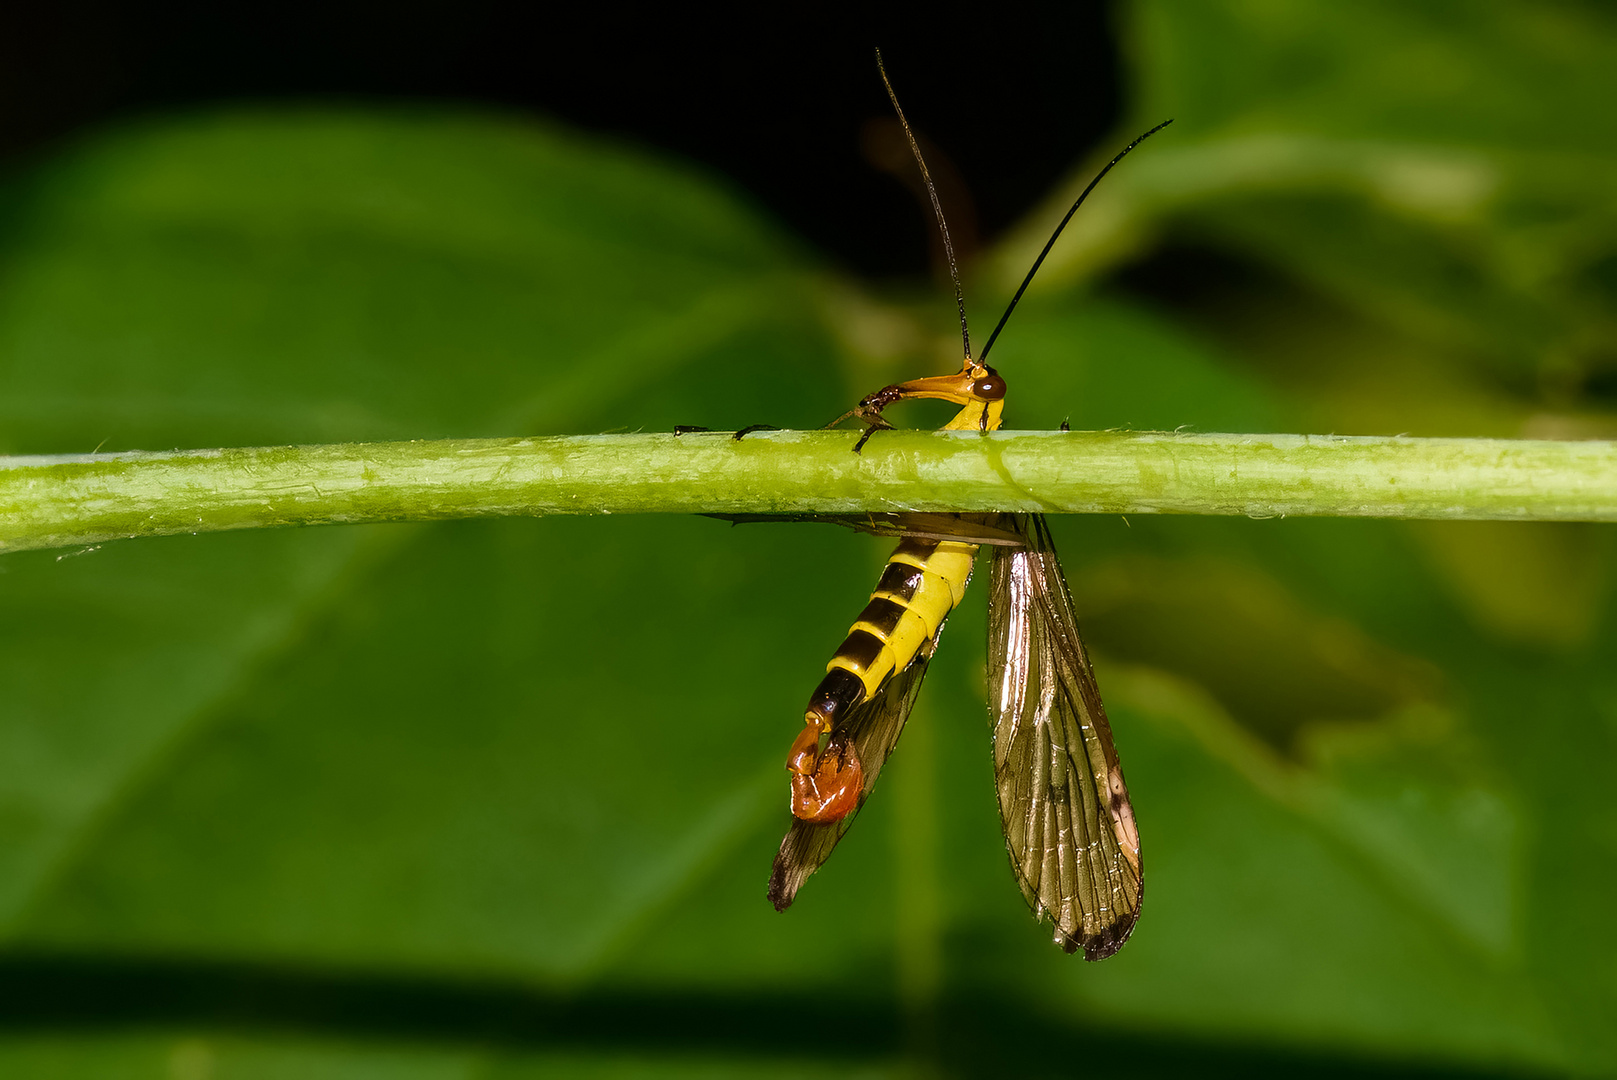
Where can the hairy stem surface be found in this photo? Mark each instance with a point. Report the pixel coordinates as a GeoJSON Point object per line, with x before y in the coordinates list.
{"type": "Point", "coordinates": [82, 499]}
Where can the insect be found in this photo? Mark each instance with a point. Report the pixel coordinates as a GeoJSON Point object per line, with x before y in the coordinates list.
{"type": "Point", "coordinates": [1064, 806]}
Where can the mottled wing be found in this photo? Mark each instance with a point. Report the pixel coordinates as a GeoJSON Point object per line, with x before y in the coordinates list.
{"type": "Point", "coordinates": [961, 528]}
{"type": "Point", "coordinates": [874, 726]}
{"type": "Point", "coordinates": [1065, 809]}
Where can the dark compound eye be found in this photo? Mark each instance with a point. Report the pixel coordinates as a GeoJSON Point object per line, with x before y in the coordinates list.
{"type": "Point", "coordinates": [989, 388]}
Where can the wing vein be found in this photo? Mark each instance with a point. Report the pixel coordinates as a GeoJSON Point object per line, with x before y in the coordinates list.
{"type": "Point", "coordinates": [1069, 828]}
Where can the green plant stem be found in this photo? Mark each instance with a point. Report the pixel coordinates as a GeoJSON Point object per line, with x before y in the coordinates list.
{"type": "Point", "coordinates": [85, 499]}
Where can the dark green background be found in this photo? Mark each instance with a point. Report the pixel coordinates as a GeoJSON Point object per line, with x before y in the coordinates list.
{"type": "Point", "coordinates": [491, 799]}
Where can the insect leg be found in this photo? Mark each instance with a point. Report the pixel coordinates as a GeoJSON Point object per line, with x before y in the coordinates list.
{"type": "Point", "coordinates": [876, 424]}
{"type": "Point", "coordinates": [750, 428]}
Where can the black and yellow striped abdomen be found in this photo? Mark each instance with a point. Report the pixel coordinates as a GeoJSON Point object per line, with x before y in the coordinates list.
{"type": "Point", "coordinates": [921, 584]}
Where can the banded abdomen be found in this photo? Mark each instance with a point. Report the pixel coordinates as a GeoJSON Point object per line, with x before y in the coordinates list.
{"type": "Point", "coordinates": [921, 584]}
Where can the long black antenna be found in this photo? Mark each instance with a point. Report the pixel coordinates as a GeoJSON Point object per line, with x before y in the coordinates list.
{"type": "Point", "coordinates": [937, 207]}
{"type": "Point", "coordinates": [1003, 319]}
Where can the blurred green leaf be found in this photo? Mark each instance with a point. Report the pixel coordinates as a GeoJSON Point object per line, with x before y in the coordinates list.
{"type": "Point", "coordinates": [1442, 171]}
